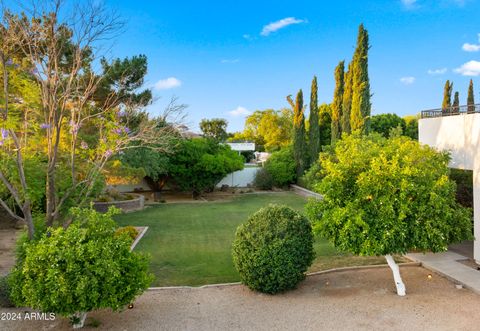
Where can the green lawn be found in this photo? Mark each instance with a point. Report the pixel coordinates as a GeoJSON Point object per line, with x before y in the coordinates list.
{"type": "Point", "coordinates": [190, 243]}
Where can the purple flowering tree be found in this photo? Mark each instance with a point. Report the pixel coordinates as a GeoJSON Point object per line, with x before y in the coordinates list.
{"type": "Point", "coordinates": [82, 117]}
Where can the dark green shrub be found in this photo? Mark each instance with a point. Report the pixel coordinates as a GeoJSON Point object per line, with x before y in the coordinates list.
{"type": "Point", "coordinates": [5, 301]}
{"type": "Point", "coordinates": [281, 166]}
{"type": "Point", "coordinates": [464, 181]}
{"type": "Point", "coordinates": [129, 230]}
{"type": "Point", "coordinates": [263, 180]}
{"type": "Point", "coordinates": [273, 249]}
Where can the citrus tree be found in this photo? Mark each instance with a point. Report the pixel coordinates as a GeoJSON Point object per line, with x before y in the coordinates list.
{"type": "Point", "coordinates": [387, 196]}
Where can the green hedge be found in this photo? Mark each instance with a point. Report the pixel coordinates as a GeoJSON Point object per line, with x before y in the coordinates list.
{"type": "Point", "coordinates": [273, 249]}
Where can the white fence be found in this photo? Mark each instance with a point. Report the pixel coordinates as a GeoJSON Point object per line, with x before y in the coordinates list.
{"type": "Point", "coordinates": [240, 178]}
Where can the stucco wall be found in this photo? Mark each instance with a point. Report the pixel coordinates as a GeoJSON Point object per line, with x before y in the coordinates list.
{"type": "Point", "coordinates": [241, 178]}
{"type": "Point", "coordinates": [459, 134]}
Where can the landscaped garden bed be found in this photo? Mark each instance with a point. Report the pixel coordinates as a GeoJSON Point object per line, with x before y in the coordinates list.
{"type": "Point", "coordinates": [191, 244]}
{"type": "Point", "coordinates": [126, 202]}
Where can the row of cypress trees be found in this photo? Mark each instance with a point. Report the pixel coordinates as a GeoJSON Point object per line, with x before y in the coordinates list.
{"type": "Point", "coordinates": [454, 107]}
{"type": "Point", "coordinates": [350, 109]}
{"type": "Point", "coordinates": [351, 105]}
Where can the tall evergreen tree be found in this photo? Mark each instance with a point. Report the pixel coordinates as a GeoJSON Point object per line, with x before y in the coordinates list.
{"type": "Point", "coordinates": [361, 106]}
{"type": "Point", "coordinates": [456, 103]}
{"type": "Point", "coordinates": [314, 129]}
{"type": "Point", "coordinates": [347, 100]}
{"type": "Point", "coordinates": [299, 145]}
{"type": "Point", "coordinates": [447, 97]}
{"type": "Point", "coordinates": [337, 101]}
{"type": "Point", "coordinates": [470, 98]}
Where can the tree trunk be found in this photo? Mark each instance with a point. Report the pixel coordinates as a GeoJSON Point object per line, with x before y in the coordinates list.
{"type": "Point", "coordinates": [79, 320]}
{"type": "Point", "coordinates": [396, 275]}
{"type": "Point", "coordinates": [50, 195]}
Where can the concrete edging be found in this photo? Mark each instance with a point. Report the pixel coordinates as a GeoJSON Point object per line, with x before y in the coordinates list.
{"type": "Point", "coordinates": [139, 236]}
{"type": "Point", "coordinates": [374, 266]}
{"type": "Point", "coordinates": [305, 193]}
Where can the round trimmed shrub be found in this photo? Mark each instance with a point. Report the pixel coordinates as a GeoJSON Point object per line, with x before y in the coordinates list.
{"type": "Point", "coordinates": [273, 249]}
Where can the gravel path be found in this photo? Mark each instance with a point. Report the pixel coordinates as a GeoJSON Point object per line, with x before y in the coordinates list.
{"type": "Point", "coordinates": [346, 300]}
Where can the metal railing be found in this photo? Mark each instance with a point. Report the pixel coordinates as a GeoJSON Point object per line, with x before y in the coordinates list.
{"type": "Point", "coordinates": [451, 111]}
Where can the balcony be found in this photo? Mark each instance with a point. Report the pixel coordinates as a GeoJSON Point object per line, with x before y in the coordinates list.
{"type": "Point", "coordinates": [451, 111]}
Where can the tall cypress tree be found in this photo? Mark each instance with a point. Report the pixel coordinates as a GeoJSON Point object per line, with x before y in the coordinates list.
{"type": "Point", "coordinates": [299, 145]}
{"type": "Point", "coordinates": [361, 106]}
{"type": "Point", "coordinates": [347, 100]}
{"type": "Point", "coordinates": [337, 101]}
{"type": "Point", "coordinates": [447, 97]}
{"type": "Point", "coordinates": [456, 103]}
{"type": "Point", "coordinates": [470, 98]}
{"type": "Point", "coordinates": [314, 129]}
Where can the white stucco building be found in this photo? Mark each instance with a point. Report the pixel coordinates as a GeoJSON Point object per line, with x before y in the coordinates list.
{"type": "Point", "coordinates": [458, 133]}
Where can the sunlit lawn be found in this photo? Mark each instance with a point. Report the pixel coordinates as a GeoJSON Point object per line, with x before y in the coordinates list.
{"type": "Point", "coordinates": [190, 243]}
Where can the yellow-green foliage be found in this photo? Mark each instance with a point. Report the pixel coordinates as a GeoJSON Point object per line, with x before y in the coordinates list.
{"type": "Point", "coordinates": [131, 231]}
{"type": "Point", "coordinates": [82, 268]}
{"type": "Point", "coordinates": [385, 196]}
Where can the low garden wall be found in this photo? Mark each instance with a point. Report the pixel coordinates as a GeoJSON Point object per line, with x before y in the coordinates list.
{"type": "Point", "coordinates": [127, 205]}
{"type": "Point", "coordinates": [306, 193]}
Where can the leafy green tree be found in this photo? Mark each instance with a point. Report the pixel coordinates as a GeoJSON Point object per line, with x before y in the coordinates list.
{"type": "Point", "coordinates": [281, 166]}
{"type": "Point", "coordinates": [120, 82]}
{"type": "Point", "coordinates": [271, 129]}
{"type": "Point", "coordinates": [314, 128]}
{"type": "Point", "coordinates": [456, 103]}
{"type": "Point", "coordinates": [299, 144]}
{"type": "Point", "coordinates": [387, 196]}
{"type": "Point", "coordinates": [215, 128]}
{"type": "Point", "coordinates": [74, 118]}
{"type": "Point", "coordinates": [361, 105]}
{"type": "Point", "coordinates": [383, 123]}
{"type": "Point", "coordinates": [199, 164]}
{"type": "Point", "coordinates": [347, 99]}
{"type": "Point", "coordinates": [338, 101]}
{"type": "Point", "coordinates": [447, 97]}
{"type": "Point", "coordinates": [470, 98]}
{"type": "Point", "coordinates": [79, 269]}
{"type": "Point", "coordinates": [325, 121]}
{"type": "Point", "coordinates": [411, 127]}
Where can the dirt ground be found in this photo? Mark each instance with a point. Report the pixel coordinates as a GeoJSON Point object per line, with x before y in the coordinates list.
{"type": "Point", "coordinates": [346, 300]}
{"type": "Point", "coordinates": [8, 238]}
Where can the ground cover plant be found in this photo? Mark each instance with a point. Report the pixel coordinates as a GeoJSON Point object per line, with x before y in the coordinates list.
{"type": "Point", "coordinates": [191, 243]}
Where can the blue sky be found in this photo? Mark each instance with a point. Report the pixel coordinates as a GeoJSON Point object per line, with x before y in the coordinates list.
{"type": "Point", "coordinates": [228, 58]}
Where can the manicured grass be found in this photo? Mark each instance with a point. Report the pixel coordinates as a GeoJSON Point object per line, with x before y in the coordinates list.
{"type": "Point", "coordinates": [190, 243]}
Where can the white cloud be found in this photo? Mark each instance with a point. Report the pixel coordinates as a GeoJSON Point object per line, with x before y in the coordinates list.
{"type": "Point", "coordinates": [471, 68]}
{"type": "Point", "coordinates": [409, 3]}
{"type": "Point", "coordinates": [471, 47]}
{"type": "Point", "coordinates": [167, 83]}
{"type": "Point", "coordinates": [440, 71]}
{"type": "Point", "coordinates": [230, 60]}
{"type": "Point", "coordinates": [239, 111]}
{"type": "Point", "coordinates": [275, 26]}
{"type": "Point", "coordinates": [407, 80]}
{"type": "Point", "coordinates": [247, 36]}
{"type": "Point", "coordinates": [467, 47]}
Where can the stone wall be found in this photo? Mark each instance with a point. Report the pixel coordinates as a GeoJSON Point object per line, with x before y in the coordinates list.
{"type": "Point", "coordinates": [126, 206]}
